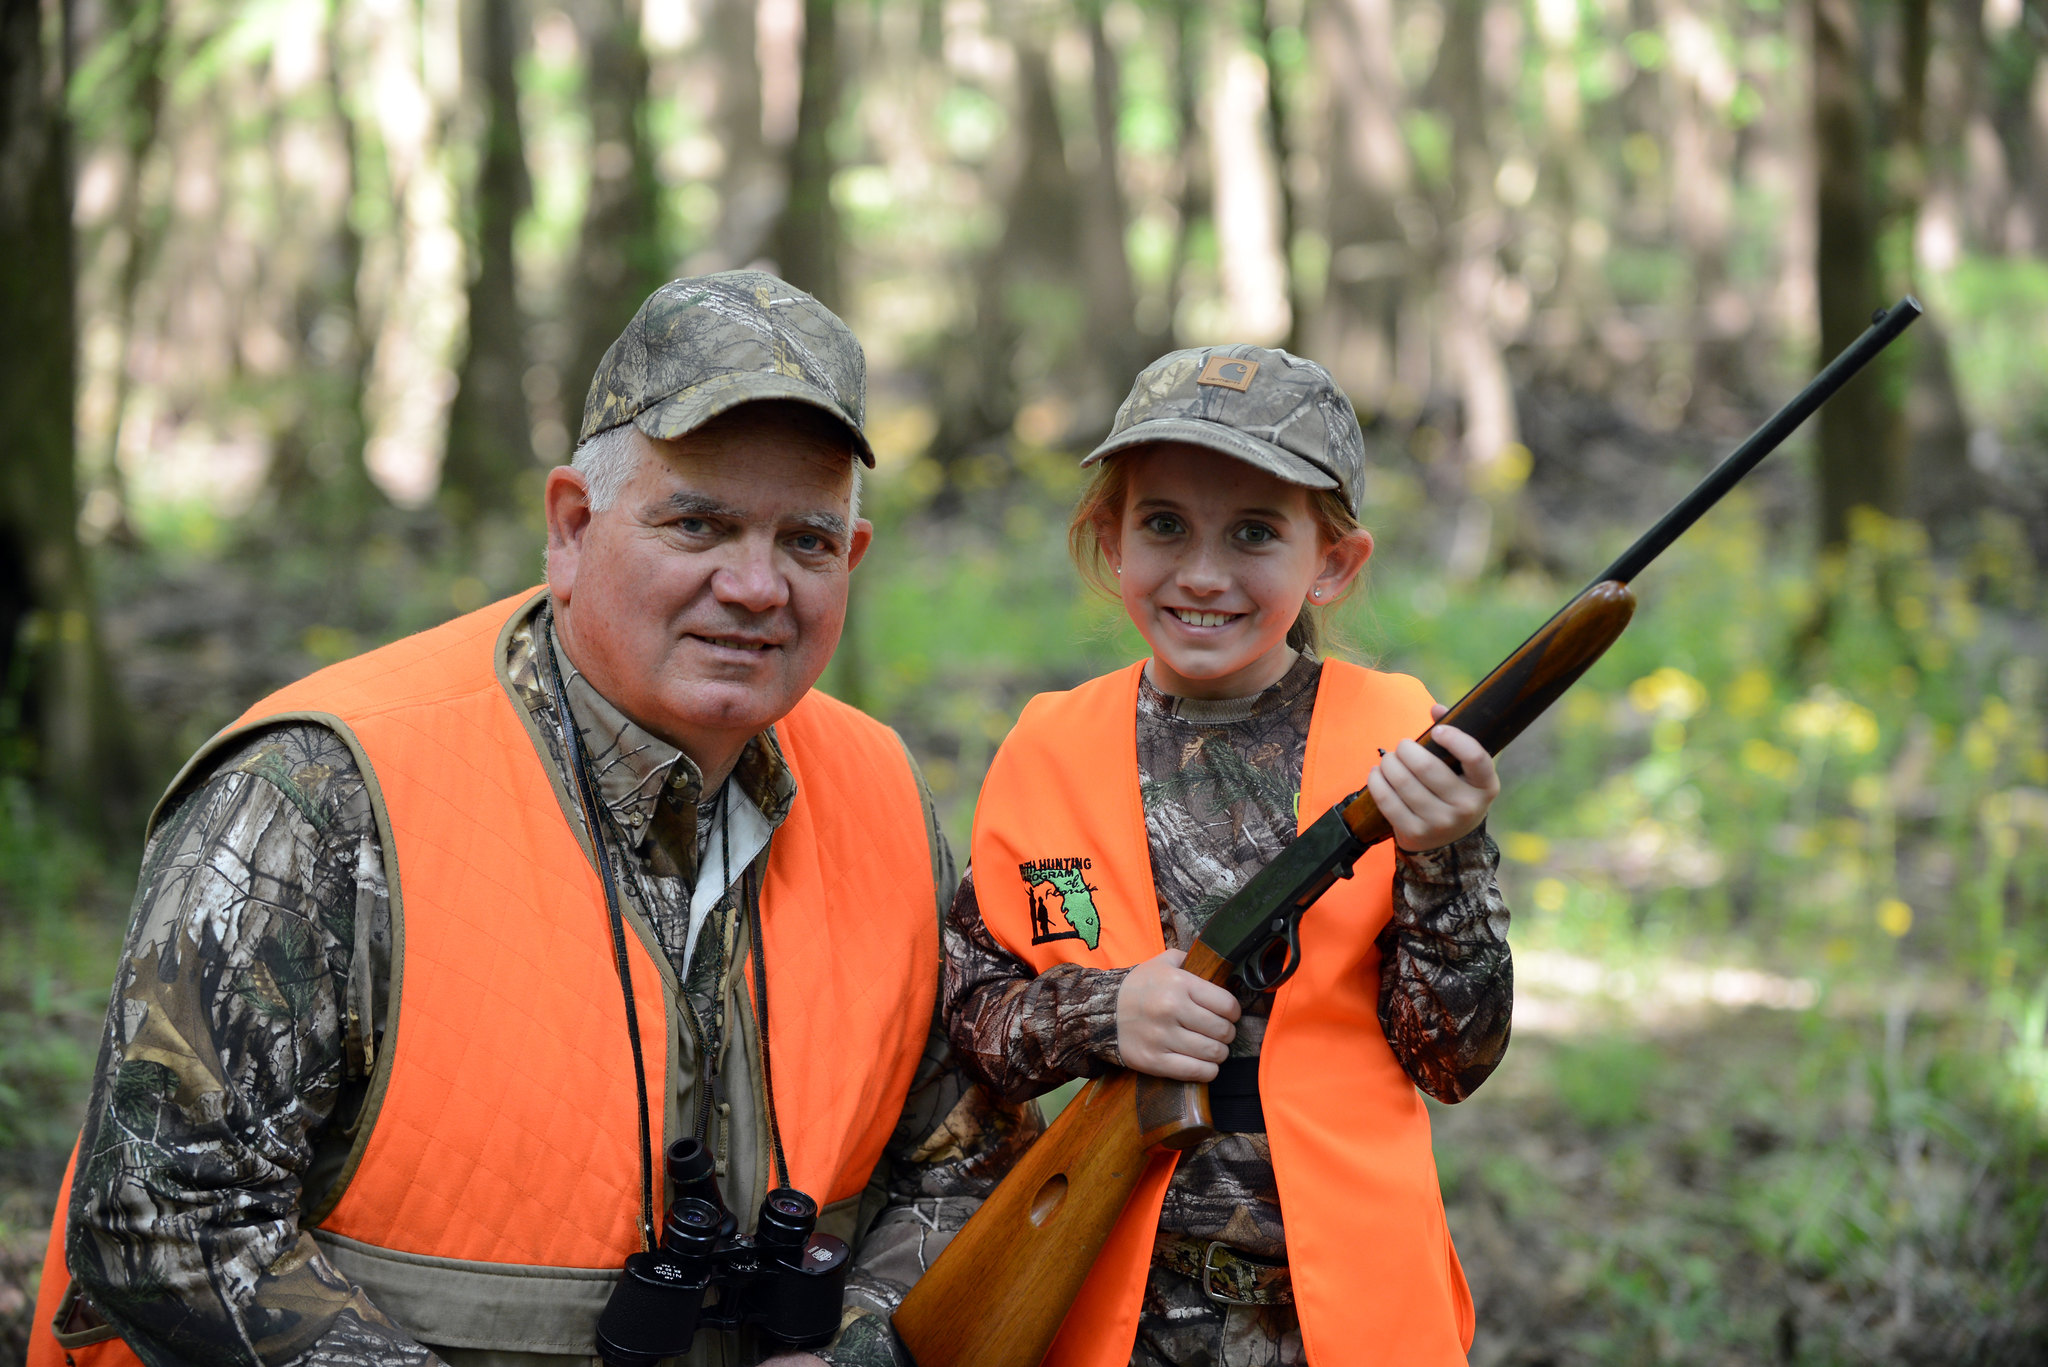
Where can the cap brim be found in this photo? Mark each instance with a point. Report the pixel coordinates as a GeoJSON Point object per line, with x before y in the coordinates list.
{"type": "Point", "coordinates": [693, 407]}
{"type": "Point", "coordinates": [1215, 436]}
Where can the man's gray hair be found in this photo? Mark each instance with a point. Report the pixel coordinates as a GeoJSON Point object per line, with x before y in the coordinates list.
{"type": "Point", "coordinates": [608, 460]}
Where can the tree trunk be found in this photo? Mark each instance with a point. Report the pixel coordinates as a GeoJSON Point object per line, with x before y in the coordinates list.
{"type": "Point", "coordinates": [318, 475]}
{"type": "Point", "coordinates": [1283, 171]}
{"type": "Point", "coordinates": [1943, 493]}
{"type": "Point", "coordinates": [621, 259]}
{"type": "Point", "coordinates": [490, 437]}
{"type": "Point", "coordinates": [976, 371]}
{"type": "Point", "coordinates": [1702, 144]}
{"type": "Point", "coordinates": [147, 30]}
{"type": "Point", "coordinates": [1112, 296]}
{"type": "Point", "coordinates": [1859, 463]}
{"type": "Point", "coordinates": [749, 187]}
{"type": "Point", "coordinates": [806, 239]}
{"type": "Point", "coordinates": [54, 673]}
{"type": "Point", "coordinates": [1470, 272]}
{"type": "Point", "coordinates": [1192, 203]}
{"type": "Point", "coordinates": [1370, 259]}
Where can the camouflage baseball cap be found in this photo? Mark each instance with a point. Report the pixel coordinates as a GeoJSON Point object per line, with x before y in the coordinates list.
{"type": "Point", "coordinates": [1266, 407]}
{"type": "Point", "coordinates": [701, 346]}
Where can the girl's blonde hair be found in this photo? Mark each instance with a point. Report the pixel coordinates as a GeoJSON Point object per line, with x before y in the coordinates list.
{"type": "Point", "coordinates": [1101, 510]}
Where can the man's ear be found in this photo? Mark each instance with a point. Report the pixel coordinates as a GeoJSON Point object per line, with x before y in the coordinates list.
{"type": "Point", "coordinates": [568, 508]}
{"type": "Point", "coordinates": [1341, 563]}
{"type": "Point", "coordinates": [863, 537]}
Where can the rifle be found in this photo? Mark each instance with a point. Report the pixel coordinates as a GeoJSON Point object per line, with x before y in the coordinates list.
{"type": "Point", "coordinates": [997, 1294]}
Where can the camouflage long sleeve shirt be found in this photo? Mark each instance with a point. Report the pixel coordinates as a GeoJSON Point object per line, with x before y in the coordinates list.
{"type": "Point", "coordinates": [1220, 783]}
{"type": "Point", "coordinates": [249, 1005]}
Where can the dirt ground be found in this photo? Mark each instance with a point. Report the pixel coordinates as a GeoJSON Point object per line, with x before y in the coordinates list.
{"type": "Point", "coordinates": [1713, 1186]}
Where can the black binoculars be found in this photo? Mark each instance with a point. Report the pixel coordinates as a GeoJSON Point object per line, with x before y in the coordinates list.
{"type": "Point", "coordinates": [786, 1280]}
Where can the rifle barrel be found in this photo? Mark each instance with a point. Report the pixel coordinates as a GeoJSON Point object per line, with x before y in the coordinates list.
{"type": "Point", "coordinates": [1763, 441]}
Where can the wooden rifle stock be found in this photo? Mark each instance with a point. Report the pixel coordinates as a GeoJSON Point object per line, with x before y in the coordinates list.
{"type": "Point", "coordinates": [998, 1293]}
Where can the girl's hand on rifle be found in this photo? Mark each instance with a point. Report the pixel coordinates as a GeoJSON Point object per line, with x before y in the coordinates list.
{"type": "Point", "coordinates": [1428, 803]}
{"type": "Point", "coordinates": [1171, 1024]}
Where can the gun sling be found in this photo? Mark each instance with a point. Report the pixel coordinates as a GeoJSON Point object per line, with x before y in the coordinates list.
{"type": "Point", "coordinates": [1234, 1097]}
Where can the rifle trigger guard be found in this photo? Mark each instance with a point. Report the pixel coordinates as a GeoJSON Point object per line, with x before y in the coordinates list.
{"type": "Point", "coordinates": [1287, 931]}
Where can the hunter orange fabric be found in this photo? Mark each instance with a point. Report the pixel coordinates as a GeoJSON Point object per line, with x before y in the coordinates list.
{"type": "Point", "coordinates": [1376, 1278]}
{"type": "Point", "coordinates": [509, 1121]}
{"type": "Point", "coordinates": [43, 1348]}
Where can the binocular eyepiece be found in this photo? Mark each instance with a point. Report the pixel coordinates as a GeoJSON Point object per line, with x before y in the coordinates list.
{"type": "Point", "coordinates": [786, 1280]}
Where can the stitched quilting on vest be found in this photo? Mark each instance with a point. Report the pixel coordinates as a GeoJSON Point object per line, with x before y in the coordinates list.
{"type": "Point", "coordinates": [505, 1142]}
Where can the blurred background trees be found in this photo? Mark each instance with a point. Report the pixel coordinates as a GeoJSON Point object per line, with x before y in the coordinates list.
{"type": "Point", "coordinates": [303, 295]}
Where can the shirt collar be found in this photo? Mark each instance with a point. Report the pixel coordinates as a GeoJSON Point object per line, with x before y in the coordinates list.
{"type": "Point", "coordinates": [635, 770]}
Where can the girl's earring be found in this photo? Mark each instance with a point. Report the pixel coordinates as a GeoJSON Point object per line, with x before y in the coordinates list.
{"type": "Point", "coordinates": [1315, 593]}
{"type": "Point", "coordinates": [1119, 569]}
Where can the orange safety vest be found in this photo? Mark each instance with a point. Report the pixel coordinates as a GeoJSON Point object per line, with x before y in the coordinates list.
{"type": "Point", "coordinates": [503, 1112]}
{"type": "Point", "coordinates": [1376, 1280]}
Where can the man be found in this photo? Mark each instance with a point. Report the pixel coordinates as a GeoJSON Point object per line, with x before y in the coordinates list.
{"type": "Point", "coordinates": [422, 979]}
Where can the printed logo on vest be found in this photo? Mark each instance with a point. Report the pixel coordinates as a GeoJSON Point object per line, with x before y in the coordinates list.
{"type": "Point", "coordinates": [1062, 883]}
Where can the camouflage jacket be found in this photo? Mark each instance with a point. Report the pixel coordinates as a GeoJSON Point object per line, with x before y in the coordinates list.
{"type": "Point", "coordinates": [249, 1003]}
{"type": "Point", "coordinates": [1219, 781]}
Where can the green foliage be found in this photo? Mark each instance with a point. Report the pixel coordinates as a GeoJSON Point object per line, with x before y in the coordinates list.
{"type": "Point", "coordinates": [58, 939]}
{"type": "Point", "coordinates": [1809, 1189]}
{"type": "Point", "coordinates": [1997, 310]}
{"type": "Point", "coordinates": [1605, 1082]}
{"type": "Point", "coordinates": [1847, 772]}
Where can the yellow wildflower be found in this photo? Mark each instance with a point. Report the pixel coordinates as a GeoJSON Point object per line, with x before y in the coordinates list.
{"type": "Point", "coordinates": [1827, 715]}
{"type": "Point", "coordinates": [1980, 751]}
{"type": "Point", "coordinates": [1750, 691]}
{"type": "Point", "coordinates": [1670, 693]}
{"type": "Point", "coordinates": [1762, 757]}
{"type": "Point", "coordinates": [1895, 917]}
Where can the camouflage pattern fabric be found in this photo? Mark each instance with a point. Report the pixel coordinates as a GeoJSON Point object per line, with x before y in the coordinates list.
{"type": "Point", "coordinates": [1219, 781]}
{"type": "Point", "coordinates": [700, 346]}
{"type": "Point", "coordinates": [1273, 409]}
{"type": "Point", "coordinates": [1178, 1326]}
{"type": "Point", "coordinates": [229, 1077]}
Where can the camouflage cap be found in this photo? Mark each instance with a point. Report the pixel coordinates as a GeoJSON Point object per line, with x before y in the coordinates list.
{"type": "Point", "coordinates": [1268, 408]}
{"type": "Point", "coordinates": [701, 346]}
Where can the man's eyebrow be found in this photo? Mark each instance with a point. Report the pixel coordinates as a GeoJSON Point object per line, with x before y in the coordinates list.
{"type": "Point", "coordinates": [828, 523]}
{"type": "Point", "coordinates": [686, 503]}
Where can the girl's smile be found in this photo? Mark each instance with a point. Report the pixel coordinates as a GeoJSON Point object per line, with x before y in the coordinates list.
{"type": "Point", "coordinates": [1215, 559]}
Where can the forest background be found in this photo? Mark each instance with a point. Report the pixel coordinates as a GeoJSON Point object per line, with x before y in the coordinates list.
{"type": "Point", "coordinates": [301, 298]}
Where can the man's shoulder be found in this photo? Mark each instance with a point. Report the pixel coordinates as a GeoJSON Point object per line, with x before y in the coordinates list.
{"type": "Point", "coordinates": [308, 762]}
{"type": "Point", "coordinates": [820, 718]}
{"type": "Point", "coordinates": [455, 658]}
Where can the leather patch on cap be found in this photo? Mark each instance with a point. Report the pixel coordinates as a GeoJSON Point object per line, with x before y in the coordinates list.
{"type": "Point", "coordinates": [1228, 372]}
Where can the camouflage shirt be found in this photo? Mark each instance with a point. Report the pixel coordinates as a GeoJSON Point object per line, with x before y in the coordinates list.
{"type": "Point", "coordinates": [249, 1005]}
{"type": "Point", "coordinates": [1220, 780]}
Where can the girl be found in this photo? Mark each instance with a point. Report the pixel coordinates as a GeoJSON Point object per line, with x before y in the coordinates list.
{"type": "Point", "coordinates": [1118, 816]}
